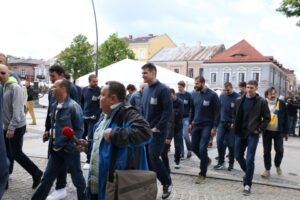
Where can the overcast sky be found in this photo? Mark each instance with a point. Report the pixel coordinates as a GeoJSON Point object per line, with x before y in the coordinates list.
{"type": "Point", "coordinates": [43, 28]}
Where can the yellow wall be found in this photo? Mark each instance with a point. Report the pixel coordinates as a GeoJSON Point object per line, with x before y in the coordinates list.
{"type": "Point", "coordinates": [151, 47]}
{"type": "Point", "coordinates": [158, 43]}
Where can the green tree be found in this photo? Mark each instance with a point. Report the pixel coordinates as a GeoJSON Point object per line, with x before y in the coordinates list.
{"type": "Point", "coordinates": [77, 59]}
{"type": "Point", "coordinates": [290, 8]}
{"type": "Point", "coordinates": [113, 50]}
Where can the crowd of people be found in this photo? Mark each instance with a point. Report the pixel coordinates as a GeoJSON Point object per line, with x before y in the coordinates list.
{"type": "Point", "coordinates": [141, 126]}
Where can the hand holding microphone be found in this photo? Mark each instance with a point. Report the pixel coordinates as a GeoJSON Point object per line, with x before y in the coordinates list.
{"type": "Point", "coordinates": [81, 145]}
{"type": "Point", "coordinates": [69, 133]}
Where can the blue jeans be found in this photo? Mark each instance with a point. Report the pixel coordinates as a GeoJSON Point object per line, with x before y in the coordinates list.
{"type": "Point", "coordinates": [178, 140]}
{"type": "Point", "coordinates": [292, 120]}
{"type": "Point", "coordinates": [14, 152]}
{"type": "Point", "coordinates": [200, 139]}
{"type": "Point", "coordinates": [57, 161]}
{"type": "Point", "coordinates": [155, 150]}
{"type": "Point", "coordinates": [268, 136]}
{"type": "Point", "coordinates": [250, 142]}
{"type": "Point", "coordinates": [225, 137]}
{"type": "Point", "coordinates": [186, 135]}
{"type": "Point", "coordinates": [3, 183]}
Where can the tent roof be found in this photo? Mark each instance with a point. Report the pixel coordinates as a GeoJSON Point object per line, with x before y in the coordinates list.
{"type": "Point", "coordinates": [129, 71]}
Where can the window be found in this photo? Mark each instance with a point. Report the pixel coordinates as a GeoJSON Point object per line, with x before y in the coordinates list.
{"type": "Point", "coordinates": [241, 77]}
{"type": "Point", "coordinates": [23, 72]}
{"type": "Point", "coordinates": [191, 72]}
{"type": "Point", "coordinates": [226, 77]}
{"type": "Point", "coordinates": [176, 70]}
{"type": "Point", "coordinates": [255, 76]}
{"type": "Point", "coordinates": [142, 54]}
{"type": "Point", "coordinates": [200, 71]}
{"type": "Point", "coordinates": [213, 77]}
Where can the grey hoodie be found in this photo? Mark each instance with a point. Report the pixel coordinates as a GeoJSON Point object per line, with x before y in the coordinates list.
{"type": "Point", "coordinates": [13, 105]}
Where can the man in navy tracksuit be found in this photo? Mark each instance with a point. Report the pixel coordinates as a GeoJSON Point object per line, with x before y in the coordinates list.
{"type": "Point", "coordinates": [156, 108]}
{"type": "Point", "coordinates": [174, 131]}
{"type": "Point", "coordinates": [91, 112]}
{"type": "Point", "coordinates": [186, 98]}
{"type": "Point", "coordinates": [204, 120]}
{"type": "Point", "coordinates": [225, 135]}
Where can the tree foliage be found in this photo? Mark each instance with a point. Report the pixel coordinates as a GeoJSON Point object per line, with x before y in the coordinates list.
{"type": "Point", "coordinates": [290, 8]}
{"type": "Point", "coordinates": [77, 59]}
{"type": "Point", "coordinates": [113, 50]}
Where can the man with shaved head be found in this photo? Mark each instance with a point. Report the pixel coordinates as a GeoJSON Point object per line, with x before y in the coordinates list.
{"type": "Point", "coordinates": [14, 124]}
{"type": "Point", "coordinates": [136, 98]}
{"type": "Point", "coordinates": [3, 60]}
{"type": "Point", "coordinates": [65, 113]}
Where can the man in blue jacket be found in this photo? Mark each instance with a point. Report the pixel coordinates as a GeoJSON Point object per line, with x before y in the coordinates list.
{"type": "Point", "coordinates": [276, 130]}
{"type": "Point", "coordinates": [136, 98]}
{"type": "Point", "coordinates": [225, 133]}
{"type": "Point", "coordinates": [65, 112]}
{"type": "Point", "coordinates": [56, 72]}
{"type": "Point", "coordinates": [91, 112]}
{"type": "Point", "coordinates": [156, 108]}
{"type": "Point", "coordinates": [186, 98]}
{"type": "Point", "coordinates": [4, 163]}
{"type": "Point", "coordinates": [121, 126]}
{"type": "Point", "coordinates": [204, 120]}
{"type": "Point", "coordinates": [174, 131]}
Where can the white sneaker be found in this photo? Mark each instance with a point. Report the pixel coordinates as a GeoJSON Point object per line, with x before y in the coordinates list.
{"type": "Point", "coordinates": [177, 166]}
{"type": "Point", "coordinates": [58, 194]}
{"type": "Point", "coordinates": [86, 166]}
{"type": "Point", "coordinates": [279, 171]}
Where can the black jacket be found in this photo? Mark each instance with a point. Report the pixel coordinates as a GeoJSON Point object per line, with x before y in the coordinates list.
{"type": "Point", "coordinates": [259, 117]}
{"type": "Point", "coordinates": [30, 93]}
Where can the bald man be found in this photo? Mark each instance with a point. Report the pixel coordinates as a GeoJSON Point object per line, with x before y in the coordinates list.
{"type": "Point", "coordinates": [3, 60]}
{"type": "Point", "coordinates": [14, 125]}
{"type": "Point", "coordinates": [136, 97]}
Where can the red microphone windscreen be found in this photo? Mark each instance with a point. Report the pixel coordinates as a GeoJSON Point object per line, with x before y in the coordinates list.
{"type": "Point", "coordinates": [68, 132]}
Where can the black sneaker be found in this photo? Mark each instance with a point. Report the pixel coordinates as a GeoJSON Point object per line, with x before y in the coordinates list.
{"type": "Point", "coordinates": [219, 167]}
{"type": "Point", "coordinates": [230, 167]}
{"type": "Point", "coordinates": [167, 189]}
{"type": "Point", "coordinates": [209, 161]}
{"type": "Point", "coordinates": [247, 190]}
{"type": "Point", "coordinates": [37, 180]}
{"type": "Point", "coordinates": [6, 187]}
{"type": "Point", "coordinates": [189, 154]}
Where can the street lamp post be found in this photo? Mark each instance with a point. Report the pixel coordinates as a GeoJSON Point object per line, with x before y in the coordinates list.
{"type": "Point", "coordinates": [96, 67]}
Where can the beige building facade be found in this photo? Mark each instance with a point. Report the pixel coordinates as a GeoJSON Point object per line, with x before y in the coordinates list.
{"type": "Point", "coordinates": [145, 47]}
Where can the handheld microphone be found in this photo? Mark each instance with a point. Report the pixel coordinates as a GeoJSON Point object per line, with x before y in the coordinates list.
{"type": "Point", "coordinates": [69, 133]}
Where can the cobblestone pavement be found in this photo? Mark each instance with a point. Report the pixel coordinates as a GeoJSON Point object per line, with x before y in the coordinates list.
{"type": "Point", "coordinates": [221, 184]}
{"type": "Point", "coordinates": [184, 188]}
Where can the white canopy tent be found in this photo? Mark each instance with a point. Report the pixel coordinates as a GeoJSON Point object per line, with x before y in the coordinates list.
{"type": "Point", "coordinates": [129, 71]}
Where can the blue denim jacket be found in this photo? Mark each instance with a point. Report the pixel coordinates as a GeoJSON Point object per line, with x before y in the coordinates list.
{"type": "Point", "coordinates": [69, 115]}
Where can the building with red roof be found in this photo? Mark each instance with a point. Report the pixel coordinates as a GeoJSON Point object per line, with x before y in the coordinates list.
{"type": "Point", "coordinates": [243, 62]}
